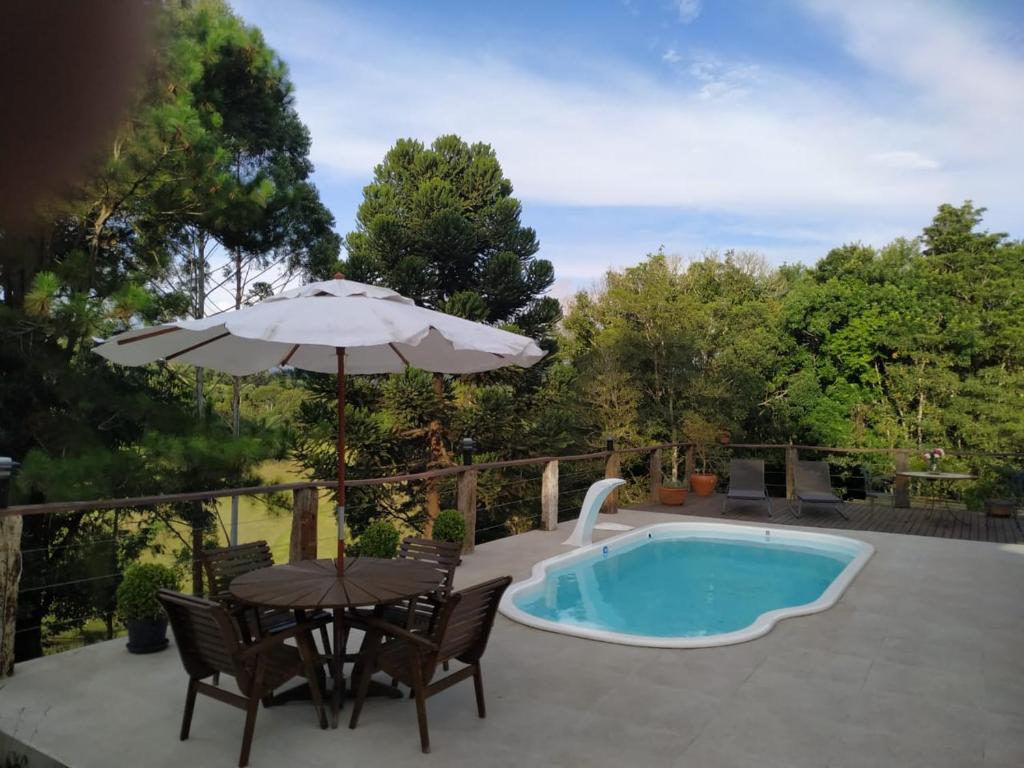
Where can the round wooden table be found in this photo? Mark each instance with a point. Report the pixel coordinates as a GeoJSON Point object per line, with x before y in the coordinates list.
{"type": "Point", "coordinates": [315, 585]}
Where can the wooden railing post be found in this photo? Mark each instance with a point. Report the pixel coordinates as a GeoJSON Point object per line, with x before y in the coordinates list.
{"type": "Point", "coordinates": [791, 459]}
{"type": "Point", "coordinates": [10, 573]}
{"type": "Point", "coordinates": [691, 462]}
{"type": "Point", "coordinates": [611, 469]}
{"type": "Point", "coordinates": [549, 497]}
{"type": "Point", "coordinates": [465, 499]}
{"type": "Point", "coordinates": [654, 473]}
{"type": "Point", "coordinates": [901, 485]}
{"type": "Point", "coordinates": [305, 504]}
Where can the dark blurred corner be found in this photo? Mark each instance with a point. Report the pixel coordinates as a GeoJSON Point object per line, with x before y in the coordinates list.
{"type": "Point", "coordinates": [68, 70]}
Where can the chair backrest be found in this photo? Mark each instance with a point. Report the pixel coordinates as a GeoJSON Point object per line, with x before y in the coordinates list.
{"type": "Point", "coordinates": [812, 476]}
{"type": "Point", "coordinates": [224, 564]}
{"type": "Point", "coordinates": [465, 621]}
{"type": "Point", "coordinates": [444, 555]}
{"type": "Point", "coordinates": [746, 475]}
{"type": "Point", "coordinates": [206, 637]}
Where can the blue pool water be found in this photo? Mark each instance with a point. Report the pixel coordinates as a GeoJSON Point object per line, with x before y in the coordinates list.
{"type": "Point", "coordinates": [683, 587]}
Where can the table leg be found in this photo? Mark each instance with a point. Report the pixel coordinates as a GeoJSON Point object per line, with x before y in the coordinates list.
{"type": "Point", "coordinates": [338, 667]}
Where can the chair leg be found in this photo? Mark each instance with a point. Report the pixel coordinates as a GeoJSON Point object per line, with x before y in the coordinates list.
{"type": "Point", "coordinates": [251, 709]}
{"type": "Point", "coordinates": [364, 689]}
{"type": "Point", "coordinates": [190, 705]}
{"type": "Point", "coordinates": [725, 501]}
{"type": "Point", "coordinates": [769, 500]}
{"type": "Point", "coordinates": [478, 684]}
{"type": "Point", "coordinates": [421, 704]}
{"type": "Point", "coordinates": [839, 509]}
{"type": "Point", "coordinates": [799, 508]}
{"type": "Point", "coordinates": [313, 673]}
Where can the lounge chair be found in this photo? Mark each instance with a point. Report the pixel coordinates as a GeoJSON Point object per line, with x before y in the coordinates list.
{"type": "Point", "coordinates": [813, 485]}
{"type": "Point", "coordinates": [210, 642]}
{"type": "Point", "coordinates": [460, 632]}
{"type": "Point", "coordinates": [746, 483]}
{"type": "Point", "coordinates": [878, 487]}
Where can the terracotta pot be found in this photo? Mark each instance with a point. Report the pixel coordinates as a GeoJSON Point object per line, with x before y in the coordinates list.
{"type": "Point", "coordinates": [672, 496]}
{"type": "Point", "coordinates": [703, 485]}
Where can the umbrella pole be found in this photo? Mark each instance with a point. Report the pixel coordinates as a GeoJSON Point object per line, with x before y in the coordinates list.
{"type": "Point", "coordinates": [340, 510]}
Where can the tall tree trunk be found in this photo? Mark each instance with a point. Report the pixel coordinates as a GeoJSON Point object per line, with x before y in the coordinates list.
{"type": "Point", "coordinates": [199, 310]}
{"type": "Point", "coordinates": [10, 575]}
{"type": "Point", "coordinates": [437, 456]}
{"type": "Point", "coordinates": [236, 401]}
{"type": "Point", "coordinates": [197, 547]}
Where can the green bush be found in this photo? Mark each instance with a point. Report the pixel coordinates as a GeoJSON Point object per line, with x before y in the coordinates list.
{"type": "Point", "coordinates": [136, 595]}
{"type": "Point", "coordinates": [380, 539]}
{"type": "Point", "coordinates": [449, 526]}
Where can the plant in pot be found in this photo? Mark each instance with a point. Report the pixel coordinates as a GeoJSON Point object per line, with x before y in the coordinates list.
{"type": "Point", "coordinates": [449, 526]}
{"type": "Point", "coordinates": [702, 434]}
{"type": "Point", "coordinates": [139, 609]}
{"type": "Point", "coordinates": [672, 493]}
{"type": "Point", "coordinates": [380, 539]}
{"type": "Point", "coordinates": [1011, 484]}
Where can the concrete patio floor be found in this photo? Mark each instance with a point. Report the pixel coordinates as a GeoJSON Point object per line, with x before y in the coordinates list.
{"type": "Point", "coordinates": [919, 664]}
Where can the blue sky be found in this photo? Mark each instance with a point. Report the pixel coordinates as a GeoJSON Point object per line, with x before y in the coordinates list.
{"type": "Point", "coordinates": [780, 126]}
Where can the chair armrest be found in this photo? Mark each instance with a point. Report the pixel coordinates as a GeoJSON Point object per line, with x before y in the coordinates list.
{"type": "Point", "coordinates": [395, 631]}
{"type": "Point", "coordinates": [276, 638]}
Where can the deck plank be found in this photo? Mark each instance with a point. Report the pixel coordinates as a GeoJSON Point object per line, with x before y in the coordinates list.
{"type": "Point", "coordinates": [916, 520]}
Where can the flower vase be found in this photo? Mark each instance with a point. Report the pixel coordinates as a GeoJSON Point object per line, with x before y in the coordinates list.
{"type": "Point", "coordinates": [933, 466]}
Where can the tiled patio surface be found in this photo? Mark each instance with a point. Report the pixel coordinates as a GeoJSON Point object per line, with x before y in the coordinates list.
{"type": "Point", "coordinates": [919, 664]}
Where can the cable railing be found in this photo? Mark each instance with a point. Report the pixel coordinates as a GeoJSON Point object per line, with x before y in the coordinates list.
{"type": "Point", "coordinates": [71, 555]}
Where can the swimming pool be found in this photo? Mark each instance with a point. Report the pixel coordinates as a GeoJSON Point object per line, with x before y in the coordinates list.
{"type": "Point", "coordinates": [687, 585]}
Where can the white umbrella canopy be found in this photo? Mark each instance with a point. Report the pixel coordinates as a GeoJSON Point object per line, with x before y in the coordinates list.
{"type": "Point", "coordinates": [380, 330]}
{"type": "Point", "coordinates": [335, 326]}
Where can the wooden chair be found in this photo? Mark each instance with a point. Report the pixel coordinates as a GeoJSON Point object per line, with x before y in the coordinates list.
{"type": "Point", "coordinates": [210, 642]}
{"type": "Point", "coordinates": [460, 632]}
{"type": "Point", "coordinates": [224, 564]}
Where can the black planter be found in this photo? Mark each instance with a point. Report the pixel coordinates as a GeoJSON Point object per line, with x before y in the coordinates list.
{"type": "Point", "coordinates": [147, 636]}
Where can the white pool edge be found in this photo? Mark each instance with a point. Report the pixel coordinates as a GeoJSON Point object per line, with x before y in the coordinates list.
{"type": "Point", "coordinates": [861, 551]}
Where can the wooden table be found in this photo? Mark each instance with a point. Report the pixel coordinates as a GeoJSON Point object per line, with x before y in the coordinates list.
{"type": "Point", "coordinates": [934, 476]}
{"type": "Point", "coordinates": [315, 585]}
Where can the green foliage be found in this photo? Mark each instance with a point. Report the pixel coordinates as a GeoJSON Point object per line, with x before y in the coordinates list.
{"type": "Point", "coordinates": [380, 539]}
{"type": "Point", "coordinates": [136, 595]}
{"type": "Point", "coordinates": [449, 526]}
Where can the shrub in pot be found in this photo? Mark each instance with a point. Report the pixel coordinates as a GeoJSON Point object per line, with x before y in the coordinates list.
{"type": "Point", "coordinates": [139, 609]}
{"type": "Point", "coordinates": [449, 526]}
{"type": "Point", "coordinates": [702, 434]}
{"type": "Point", "coordinates": [672, 493]}
{"type": "Point", "coordinates": [380, 539]}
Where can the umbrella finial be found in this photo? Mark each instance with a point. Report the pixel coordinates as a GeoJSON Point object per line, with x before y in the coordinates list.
{"type": "Point", "coordinates": [338, 276]}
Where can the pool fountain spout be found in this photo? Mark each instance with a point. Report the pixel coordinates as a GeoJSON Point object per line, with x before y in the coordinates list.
{"type": "Point", "coordinates": [583, 533]}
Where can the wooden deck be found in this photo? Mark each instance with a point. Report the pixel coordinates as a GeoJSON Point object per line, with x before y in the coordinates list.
{"type": "Point", "coordinates": [915, 521]}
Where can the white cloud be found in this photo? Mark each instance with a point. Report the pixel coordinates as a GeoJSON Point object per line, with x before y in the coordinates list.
{"type": "Point", "coordinates": [596, 133]}
{"type": "Point", "coordinates": [688, 10]}
{"type": "Point", "coordinates": [671, 56]}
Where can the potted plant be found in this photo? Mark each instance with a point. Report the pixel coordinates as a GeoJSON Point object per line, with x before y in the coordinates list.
{"type": "Point", "coordinates": [139, 609]}
{"type": "Point", "coordinates": [1011, 480]}
{"type": "Point", "coordinates": [701, 433]}
{"type": "Point", "coordinates": [672, 493]}
{"type": "Point", "coordinates": [449, 526]}
{"type": "Point", "coordinates": [380, 539]}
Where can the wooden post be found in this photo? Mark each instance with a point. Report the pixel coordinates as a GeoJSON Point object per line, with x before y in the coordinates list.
{"type": "Point", "coordinates": [549, 497]}
{"type": "Point", "coordinates": [611, 469]}
{"type": "Point", "coordinates": [691, 462]}
{"type": "Point", "coordinates": [305, 504]}
{"type": "Point", "coordinates": [654, 473]}
{"type": "Point", "coordinates": [901, 485]}
{"type": "Point", "coordinates": [466, 501]}
{"type": "Point", "coordinates": [791, 459]}
{"type": "Point", "coordinates": [10, 573]}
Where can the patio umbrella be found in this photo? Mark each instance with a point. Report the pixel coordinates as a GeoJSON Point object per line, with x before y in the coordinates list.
{"type": "Point", "coordinates": [335, 326]}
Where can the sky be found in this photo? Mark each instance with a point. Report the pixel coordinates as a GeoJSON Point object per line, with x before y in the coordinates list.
{"type": "Point", "coordinates": [785, 127]}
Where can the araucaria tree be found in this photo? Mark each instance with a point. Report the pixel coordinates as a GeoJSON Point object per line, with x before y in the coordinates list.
{"type": "Point", "coordinates": [439, 224]}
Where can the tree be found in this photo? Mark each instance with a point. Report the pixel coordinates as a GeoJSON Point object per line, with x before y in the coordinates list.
{"type": "Point", "coordinates": [439, 225]}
